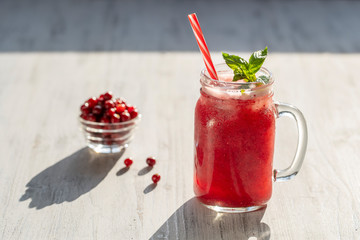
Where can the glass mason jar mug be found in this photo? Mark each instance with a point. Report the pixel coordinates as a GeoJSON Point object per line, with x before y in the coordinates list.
{"type": "Point", "coordinates": [234, 142]}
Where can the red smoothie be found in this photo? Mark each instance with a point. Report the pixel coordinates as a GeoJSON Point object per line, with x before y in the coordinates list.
{"type": "Point", "coordinates": [234, 146]}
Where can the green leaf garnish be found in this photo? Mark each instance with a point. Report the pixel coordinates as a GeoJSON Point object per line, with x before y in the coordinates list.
{"type": "Point", "coordinates": [257, 59]}
{"type": "Point", "coordinates": [237, 64]}
{"type": "Point", "coordinates": [246, 70]}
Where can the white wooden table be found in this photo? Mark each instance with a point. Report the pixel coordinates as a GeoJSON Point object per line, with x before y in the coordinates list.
{"type": "Point", "coordinates": [53, 187]}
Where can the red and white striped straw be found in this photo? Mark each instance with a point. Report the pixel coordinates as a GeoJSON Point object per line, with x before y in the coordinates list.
{"type": "Point", "coordinates": [199, 36]}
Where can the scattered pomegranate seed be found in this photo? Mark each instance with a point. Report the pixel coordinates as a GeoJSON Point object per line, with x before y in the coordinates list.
{"type": "Point", "coordinates": [155, 178]}
{"type": "Point", "coordinates": [108, 96]}
{"type": "Point", "coordinates": [128, 162]}
{"type": "Point", "coordinates": [125, 116]}
{"type": "Point", "coordinates": [115, 118]}
{"type": "Point", "coordinates": [150, 161]}
{"type": "Point", "coordinates": [120, 108]}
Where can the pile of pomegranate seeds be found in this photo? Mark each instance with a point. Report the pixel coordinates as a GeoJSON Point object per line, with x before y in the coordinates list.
{"type": "Point", "coordinates": [107, 109]}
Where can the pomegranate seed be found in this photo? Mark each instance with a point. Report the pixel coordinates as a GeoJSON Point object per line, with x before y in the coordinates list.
{"type": "Point", "coordinates": [120, 108]}
{"type": "Point", "coordinates": [125, 116]}
{"type": "Point", "coordinates": [130, 109]}
{"type": "Point", "coordinates": [83, 116]}
{"type": "Point", "coordinates": [111, 112]}
{"type": "Point", "coordinates": [108, 96]}
{"type": "Point", "coordinates": [155, 178]}
{"type": "Point", "coordinates": [104, 120]}
{"type": "Point", "coordinates": [92, 102]}
{"type": "Point", "coordinates": [91, 117]}
{"type": "Point", "coordinates": [134, 114]}
{"type": "Point", "coordinates": [119, 101]}
{"type": "Point", "coordinates": [101, 98]}
{"type": "Point", "coordinates": [150, 161]}
{"type": "Point", "coordinates": [97, 110]}
{"type": "Point", "coordinates": [109, 104]}
{"type": "Point", "coordinates": [115, 118]}
{"type": "Point", "coordinates": [128, 162]}
{"type": "Point", "coordinates": [85, 108]}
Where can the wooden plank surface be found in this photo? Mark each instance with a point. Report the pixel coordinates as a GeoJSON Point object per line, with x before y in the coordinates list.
{"type": "Point", "coordinates": [54, 56]}
{"type": "Point", "coordinates": [52, 187]}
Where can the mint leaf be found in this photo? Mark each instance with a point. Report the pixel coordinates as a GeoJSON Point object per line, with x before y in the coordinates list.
{"type": "Point", "coordinates": [237, 64]}
{"type": "Point", "coordinates": [243, 69]}
{"type": "Point", "coordinates": [256, 60]}
{"type": "Point", "coordinates": [238, 75]}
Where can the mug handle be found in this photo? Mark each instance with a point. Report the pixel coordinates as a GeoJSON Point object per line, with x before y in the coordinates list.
{"type": "Point", "coordinates": [283, 109]}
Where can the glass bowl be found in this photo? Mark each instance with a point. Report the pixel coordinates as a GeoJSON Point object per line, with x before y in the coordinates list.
{"type": "Point", "coordinates": [109, 137]}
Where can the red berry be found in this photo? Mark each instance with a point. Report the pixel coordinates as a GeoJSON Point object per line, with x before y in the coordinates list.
{"type": "Point", "coordinates": [130, 109]}
{"type": "Point", "coordinates": [120, 108]}
{"type": "Point", "coordinates": [101, 98]}
{"type": "Point", "coordinates": [128, 162]}
{"type": "Point", "coordinates": [119, 101]}
{"type": "Point", "coordinates": [155, 178]}
{"type": "Point", "coordinates": [83, 116]}
{"type": "Point", "coordinates": [85, 108]}
{"type": "Point", "coordinates": [104, 119]}
{"type": "Point", "coordinates": [125, 116]}
{"type": "Point", "coordinates": [109, 104]}
{"type": "Point", "coordinates": [108, 96]}
{"type": "Point", "coordinates": [115, 118]}
{"type": "Point", "coordinates": [92, 102]}
{"type": "Point", "coordinates": [111, 112]}
{"type": "Point", "coordinates": [134, 114]}
{"type": "Point", "coordinates": [91, 117]}
{"type": "Point", "coordinates": [150, 161]}
{"type": "Point", "coordinates": [97, 110]}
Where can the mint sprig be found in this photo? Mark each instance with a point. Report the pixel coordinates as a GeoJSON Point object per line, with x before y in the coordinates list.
{"type": "Point", "coordinates": [246, 70]}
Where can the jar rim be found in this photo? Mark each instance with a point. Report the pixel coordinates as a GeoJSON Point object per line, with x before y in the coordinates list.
{"type": "Point", "coordinates": [208, 81]}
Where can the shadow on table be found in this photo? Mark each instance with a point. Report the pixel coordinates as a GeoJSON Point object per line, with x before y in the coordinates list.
{"type": "Point", "coordinates": [194, 221]}
{"type": "Point", "coordinates": [69, 178]}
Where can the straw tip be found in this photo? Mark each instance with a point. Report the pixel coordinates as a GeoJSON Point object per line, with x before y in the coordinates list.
{"type": "Point", "coordinates": [192, 14]}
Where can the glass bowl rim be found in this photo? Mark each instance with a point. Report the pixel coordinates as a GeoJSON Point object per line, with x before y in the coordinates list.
{"type": "Point", "coordinates": [134, 120]}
